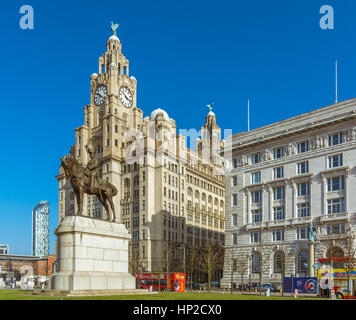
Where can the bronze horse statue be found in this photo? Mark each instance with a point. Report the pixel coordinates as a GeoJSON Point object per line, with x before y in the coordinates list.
{"type": "Point", "coordinates": [80, 180]}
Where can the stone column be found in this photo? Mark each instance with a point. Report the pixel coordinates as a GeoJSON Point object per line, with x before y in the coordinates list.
{"type": "Point", "coordinates": [311, 259]}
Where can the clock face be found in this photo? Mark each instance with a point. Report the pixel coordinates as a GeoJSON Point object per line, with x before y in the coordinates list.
{"type": "Point", "coordinates": [100, 95]}
{"type": "Point", "coordinates": [126, 97]}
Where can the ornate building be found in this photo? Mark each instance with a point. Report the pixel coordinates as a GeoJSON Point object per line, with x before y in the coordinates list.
{"type": "Point", "coordinates": [285, 177]}
{"type": "Point", "coordinates": [166, 192]}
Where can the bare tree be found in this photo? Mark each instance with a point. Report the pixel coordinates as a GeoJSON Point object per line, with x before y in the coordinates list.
{"type": "Point", "coordinates": [280, 264]}
{"type": "Point", "coordinates": [170, 255]}
{"type": "Point", "coordinates": [212, 258]}
{"type": "Point", "coordinates": [241, 266]}
{"type": "Point", "coordinates": [192, 263]}
{"type": "Point", "coordinates": [263, 251]}
{"type": "Point", "coordinates": [231, 264]}
{"type": "Point", "coordinates": [350, 260]}
{"type": "Point", "coordinates": [135, 261]}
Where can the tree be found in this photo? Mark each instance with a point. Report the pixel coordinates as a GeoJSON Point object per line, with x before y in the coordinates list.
{"type": "Point", "coordinates": [211, 259]}
{"type": "Point", "coordinates": [135, 260]}
{"type": "Point", "coordinates": [280, 263]}
{"type": "Point", "coordinates": [231, 264]}
{"type": "Point", "coordinates": [191, 263]}
{"type": "Point", "coordinates": [262, 250]}
{"type": "Point", "coordinates": [350, 260]}
{"type": "Point", "coordinates": [170, 254]}
{"type": "Point", "coordinates": [241, 266]}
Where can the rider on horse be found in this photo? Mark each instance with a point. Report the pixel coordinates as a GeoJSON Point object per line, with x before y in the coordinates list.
{"type": "Point", "coordinates": [92, 168]}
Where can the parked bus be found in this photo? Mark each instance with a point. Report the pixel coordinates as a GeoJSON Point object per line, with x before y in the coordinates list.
{"type": "Point", "coordinates": [340, 278]}
{"type": "Point", "coordinates": [158, 281]}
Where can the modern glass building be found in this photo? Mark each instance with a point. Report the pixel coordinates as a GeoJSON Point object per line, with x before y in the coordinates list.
{"type": "Point", "coordinates": [40, 229]}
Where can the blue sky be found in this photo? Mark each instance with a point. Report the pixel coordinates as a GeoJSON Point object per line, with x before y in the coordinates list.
{"type": "Point", "coordinates": [184, 54]}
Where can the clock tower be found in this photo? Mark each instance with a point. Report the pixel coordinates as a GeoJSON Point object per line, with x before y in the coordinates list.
{"type": "Point", "coordinates": [109, 119]}
{"type": "Point", "coordinates": [159, 180]}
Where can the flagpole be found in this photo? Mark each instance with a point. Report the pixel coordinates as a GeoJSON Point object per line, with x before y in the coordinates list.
{"type": "Point", "coordinates": [336, 84]}
{"type": "Point", "coordinates": [248, 115]}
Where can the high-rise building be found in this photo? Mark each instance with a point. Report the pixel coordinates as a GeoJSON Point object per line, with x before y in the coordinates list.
{"type": "Point", "coordinates": [4, 249]}
{"type": "Point", "coordinates": [40, 229]}
{"type": "Point", "coordinates": [286, 179]}
{"type": "Point", "coordinates": [166, 191]}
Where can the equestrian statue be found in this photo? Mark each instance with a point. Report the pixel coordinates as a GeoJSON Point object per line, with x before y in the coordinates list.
{"type": "Point", "coordinates": [86, 180]}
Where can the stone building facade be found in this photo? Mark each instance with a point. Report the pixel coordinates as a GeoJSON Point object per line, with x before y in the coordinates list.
{"type": "Point", "coordinates": [166, 191]}
{"type": "Point", "coordinates": [285, 177]}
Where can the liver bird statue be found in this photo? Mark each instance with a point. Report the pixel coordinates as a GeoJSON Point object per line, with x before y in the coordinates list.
{"type": "Point", "coordinates": [210, 106]}
{"type": "Point", "coordinates": [114, 26]}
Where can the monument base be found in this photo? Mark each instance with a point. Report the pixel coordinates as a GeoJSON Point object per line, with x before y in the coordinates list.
{"type": "Point", "coordinates": [92, 255]}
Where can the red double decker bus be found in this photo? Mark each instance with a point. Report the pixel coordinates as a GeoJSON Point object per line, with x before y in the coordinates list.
{"type": "Point", "coordinates": [158, 281]}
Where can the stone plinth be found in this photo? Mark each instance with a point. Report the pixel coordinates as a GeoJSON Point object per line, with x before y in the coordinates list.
{"type": "Point", "coordinates": [91, 255]}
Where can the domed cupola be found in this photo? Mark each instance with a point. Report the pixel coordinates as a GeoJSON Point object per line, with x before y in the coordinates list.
{"type": "Point", "coordinates": [159, 113]}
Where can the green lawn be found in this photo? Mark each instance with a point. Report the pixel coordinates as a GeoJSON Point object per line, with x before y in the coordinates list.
{"type": "Point", "coordinates": [26, 295]}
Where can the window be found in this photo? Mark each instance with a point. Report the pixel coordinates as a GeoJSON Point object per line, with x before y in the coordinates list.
{"type": "Point", "coordinates": [278, 213]}
{"type": "Point", "coordinates": [337, 228]}
{"type": "Point", "coordinates": [234, 219]}
{"type": "Point", "coordinates": [234, 163]}
{"type": "Point", "coordinates": [278, 173]}
{"type": "Point", "coordinates": [336, 205]}
{"type": "Point", "coordinates": [303, 189]}
{"type": "Point", "coordinates": [278, 153]}
{"type": "Point", "coordinates": [335, 139]}
{"type": "Point", "coordinates": [234, 181]}
{"type": "Point", "coordinates": [234, 199]}
{"type": "Point", "coordinates": [256, 158]}
{"type": "Point", "coordinates": [278, 261]}
{"type": "Point", "coordinates": [278, 235]}
{"type": "Point", "coordinates": [335, 161]}
{"type": "Point", "coordinates": [135, 221]}
{"type": "Point", "coordinates": [303, 233]}
{"type": "Point", "coordinates": [143, 219]}
{"type": "Point", "coordinates": [135, 236]}
{"type": "Point", "coordinates": [303, 167]}
{"type": "Point", "coordinates": [278, 193]}
{"type": "Point", "coordinates": [234, 238]}
{"type": "Point", "coordinates": [256, 263]}
{"type": "Point", "coordinates": [303, 210]}
{"type": "Point", "coordinates": [303, 147]}
{"type": "Point", "coordinates": [255, 237]}
{"type": "Point", "coordinates": [256, 177]}
{"type": "Point", "coordinates": [143, 234]}
{"type": "Point", "coordinates": [302, 260]}
{"type": "Point", "coordinates": [256, 196]}
{"type": "Point", "coordinates": [256, 215]}
{"type": "Point", "coordinates": [336, 183]}
{"type": "Point", "coordinates": [143, 175]}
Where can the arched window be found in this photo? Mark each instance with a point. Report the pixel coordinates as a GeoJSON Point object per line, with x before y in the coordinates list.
{"type": "Point", "coordinates": [302, 259]}
{"type": "Point", "coordinates": [256, 263]}
{"type": "Point", "coordinates": [278, 262]}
